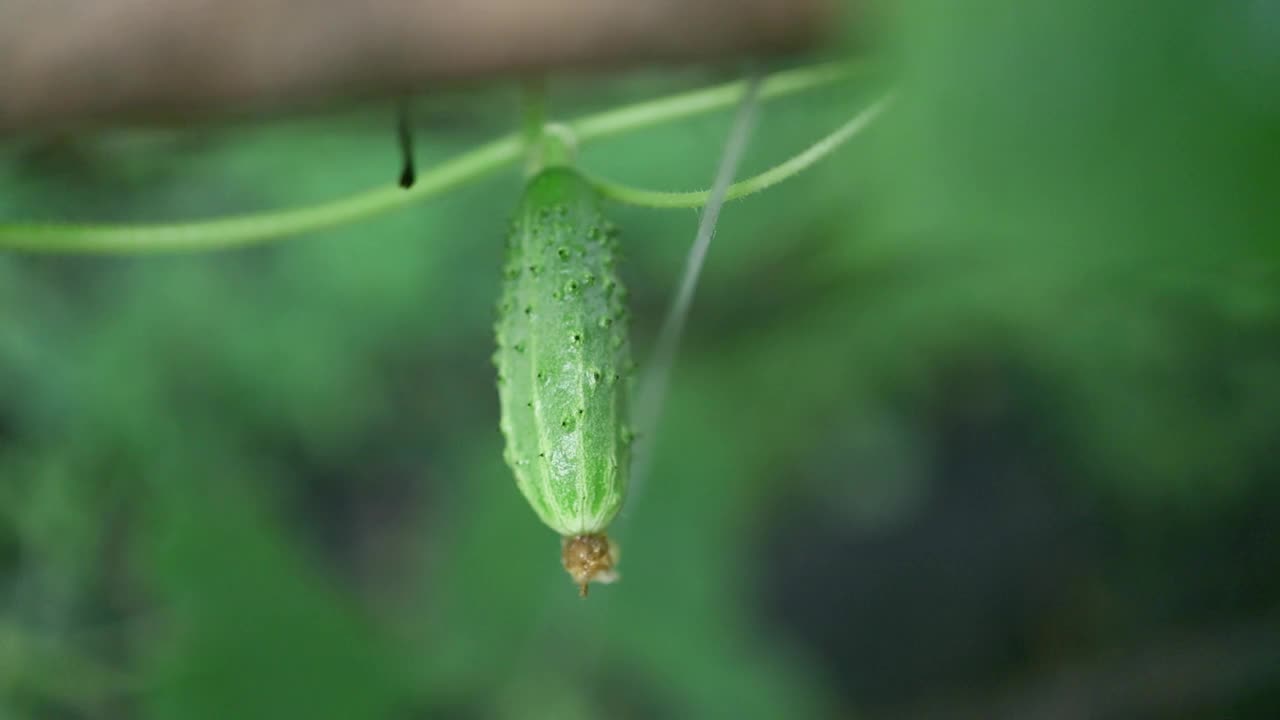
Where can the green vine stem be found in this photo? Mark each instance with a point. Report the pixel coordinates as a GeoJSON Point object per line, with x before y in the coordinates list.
{"type": "Point", "coordinates": [674, 107]}
{"type": "Point", "coordinates": [257, 228]}
{"type": "Point", "coordinates": [533, 114]}
{"type": "Point", "coordinates": [774, 175]}
{"type": "Point", "coordinates": [252, 229]}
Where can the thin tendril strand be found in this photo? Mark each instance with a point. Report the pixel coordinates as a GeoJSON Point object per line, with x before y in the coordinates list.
{"type": "Point", "coordinates": [659, 199]}
{"type": "Point", "coordinates": [653, 391]}
{"type": "Point", "coordinates": [250, 229]}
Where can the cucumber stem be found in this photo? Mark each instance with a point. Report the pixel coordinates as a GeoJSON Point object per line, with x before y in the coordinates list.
{"type": "Point", "coordinates": [556, 147]}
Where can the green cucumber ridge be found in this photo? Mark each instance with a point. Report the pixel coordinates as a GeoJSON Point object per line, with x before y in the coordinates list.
{"type": "Point", "coordinates": [563, 358]}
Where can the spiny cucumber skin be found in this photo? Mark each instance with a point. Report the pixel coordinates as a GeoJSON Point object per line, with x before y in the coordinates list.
{"type": "Point", "coordinates": [563, 357]}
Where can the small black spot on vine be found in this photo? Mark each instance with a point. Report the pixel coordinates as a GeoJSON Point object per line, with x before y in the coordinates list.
{"type": "Point", "coordinates": [576, 338]}
{"type": "Point", "coordinates": [528, 309]}
{"type": "Point", "coordinates": [404, 133]}
{"type": "Point", "coordinates": [563, 253]}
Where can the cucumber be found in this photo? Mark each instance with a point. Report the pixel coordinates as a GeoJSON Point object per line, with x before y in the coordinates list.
{"type": "Point", "coordinates": [565, 369]}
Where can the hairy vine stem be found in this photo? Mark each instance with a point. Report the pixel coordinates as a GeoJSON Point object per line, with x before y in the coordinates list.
{"type": "Point", "coordinates": [774, 175]}
{"type": "Point", "coordinates": [242, 230]}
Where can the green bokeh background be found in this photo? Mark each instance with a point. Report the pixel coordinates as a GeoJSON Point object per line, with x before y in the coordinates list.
{"type": "Point", "coordinates": [975, 419]}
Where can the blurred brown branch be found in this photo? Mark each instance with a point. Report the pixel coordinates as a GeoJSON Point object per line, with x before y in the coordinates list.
{"type": "Point", "coordinates": [73, 62]}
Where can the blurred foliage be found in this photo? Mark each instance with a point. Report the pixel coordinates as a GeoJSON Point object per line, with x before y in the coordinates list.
{"type": "Point", "coordinates": [991, 394]}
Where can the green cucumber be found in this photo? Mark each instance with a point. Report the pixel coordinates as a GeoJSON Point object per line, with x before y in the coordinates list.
{"type": "Point", "coordinates": [564, 367]}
